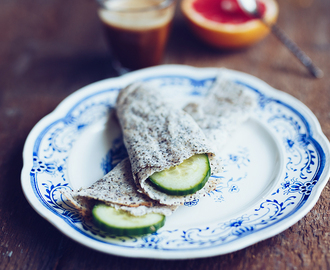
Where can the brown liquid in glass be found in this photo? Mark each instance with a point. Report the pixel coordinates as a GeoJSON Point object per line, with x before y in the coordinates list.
{"type": "Point", "coordinates": [138, 48]}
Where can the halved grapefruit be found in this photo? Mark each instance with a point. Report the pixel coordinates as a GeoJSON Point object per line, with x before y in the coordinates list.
{"type": "Point", "coordinates": [222, 24]}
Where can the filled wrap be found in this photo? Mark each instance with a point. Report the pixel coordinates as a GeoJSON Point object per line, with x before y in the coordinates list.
{"type": "Point", "coordinates": [117, 189]}
{"type": "Point", "coordinates": [158, 136]}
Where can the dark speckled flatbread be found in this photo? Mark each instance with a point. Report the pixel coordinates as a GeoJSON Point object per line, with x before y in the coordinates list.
{"type": "Point", "coordinates": [222, 111]}
{"type": "Point", "coordinates": [158, 136]}
{"type": "Point", "coordinates": [117, 188]}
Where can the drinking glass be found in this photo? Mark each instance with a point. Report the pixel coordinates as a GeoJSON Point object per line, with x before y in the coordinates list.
{"type": "Point", "coordinates": [136, 30]}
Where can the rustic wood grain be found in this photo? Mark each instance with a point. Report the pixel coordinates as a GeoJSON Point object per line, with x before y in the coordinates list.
{"type": "Point", "coordinates": [49, 49]}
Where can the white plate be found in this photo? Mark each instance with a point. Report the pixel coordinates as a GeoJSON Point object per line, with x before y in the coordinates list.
{"type": "Point", "coordinates": [276, 167]}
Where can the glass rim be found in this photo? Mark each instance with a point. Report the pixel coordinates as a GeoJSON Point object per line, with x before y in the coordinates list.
{"type": "Point", "coordinates": [159, 6]}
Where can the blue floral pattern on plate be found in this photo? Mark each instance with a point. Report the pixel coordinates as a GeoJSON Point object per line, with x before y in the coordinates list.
{"type": "Point", "coordinates": [304, 150]}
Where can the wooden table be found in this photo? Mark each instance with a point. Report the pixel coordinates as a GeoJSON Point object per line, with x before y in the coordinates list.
{"type": "Point", "coordinates": [49, 49]}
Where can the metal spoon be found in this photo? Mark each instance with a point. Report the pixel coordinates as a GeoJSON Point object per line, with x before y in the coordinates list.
{"type": "Point", "coordinates": [250, 8]}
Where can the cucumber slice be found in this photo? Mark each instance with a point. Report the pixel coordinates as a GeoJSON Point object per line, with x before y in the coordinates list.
{"type": "Point", "coordinates": [186, 178]}
{"type": "Point", "coordinates": [122, 223]}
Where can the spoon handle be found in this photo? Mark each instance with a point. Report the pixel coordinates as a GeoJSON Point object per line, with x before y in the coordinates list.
{"type": "Point", "coordinates": [303, 58]}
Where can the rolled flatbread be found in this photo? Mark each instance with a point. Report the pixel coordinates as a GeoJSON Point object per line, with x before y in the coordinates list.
{"type": "Point", "coordinates": [117, 189]}
{"type": "Point", "coordinates": [158, 136]}
{"type": "Point", "coordinates": [225, 108]}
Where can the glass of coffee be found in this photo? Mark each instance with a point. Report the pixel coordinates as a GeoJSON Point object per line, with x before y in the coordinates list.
{"type": "Point", "coordinates": [137, 31]}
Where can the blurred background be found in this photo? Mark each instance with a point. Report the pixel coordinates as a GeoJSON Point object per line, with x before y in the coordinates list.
{"type": "Point", "coordinates": [50, 48]}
